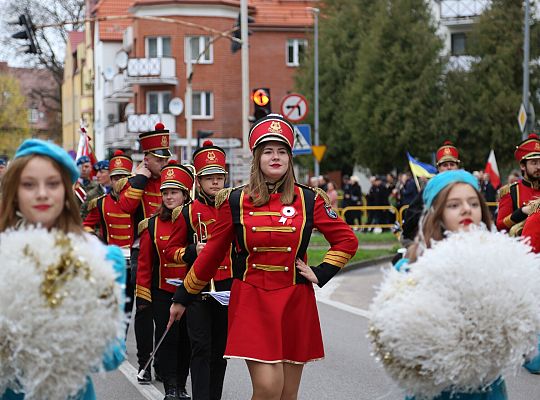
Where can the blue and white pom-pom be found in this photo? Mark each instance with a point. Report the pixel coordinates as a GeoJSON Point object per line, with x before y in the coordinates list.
{"type": "Point", "coordinates": [467, 312]}
{"type": "Point", "coordinates": [59, 311]}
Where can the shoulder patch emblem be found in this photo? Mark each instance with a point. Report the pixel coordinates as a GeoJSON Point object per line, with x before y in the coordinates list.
{"type": "Point", "coordinates": [330, 211]}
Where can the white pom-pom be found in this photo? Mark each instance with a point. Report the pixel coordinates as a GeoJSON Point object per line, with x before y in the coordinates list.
{"type": "Point", "coordinates": [467, 312]}
{"type": "Point", "coordinates": [47, 351]}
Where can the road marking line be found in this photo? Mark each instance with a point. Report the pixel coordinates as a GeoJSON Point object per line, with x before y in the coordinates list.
{"type": "Point", "coordinates": [149, 392]}
{"type": "Point", "coordinates": [324, 296]}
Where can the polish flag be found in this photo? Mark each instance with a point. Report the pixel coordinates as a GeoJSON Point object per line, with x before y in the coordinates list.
{"type": "Point", "coordinates": [85, 148]}
{"type": "Point", "coordinates": [493, 171]}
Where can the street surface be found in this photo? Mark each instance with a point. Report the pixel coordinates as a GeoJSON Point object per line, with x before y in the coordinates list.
{"type": "Point", "coordinates": [347, 372]}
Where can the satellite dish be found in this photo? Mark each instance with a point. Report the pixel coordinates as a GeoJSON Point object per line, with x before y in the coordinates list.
{"type": "Point", "coordinates": [109, 73]}
{"type": "Point", "coordinates": [121, 59]}
{"type": "Point", "coordinates": [130, 109]}
{"type": "Point", "coordinates": [176, 106]}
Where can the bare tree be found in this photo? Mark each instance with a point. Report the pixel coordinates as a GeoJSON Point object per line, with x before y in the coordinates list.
{"type": "Point", "coordinates": [51, 41]}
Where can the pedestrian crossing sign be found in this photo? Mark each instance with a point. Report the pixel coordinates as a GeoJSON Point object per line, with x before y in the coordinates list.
{"type": "Point", "coordinates": [302, 139]}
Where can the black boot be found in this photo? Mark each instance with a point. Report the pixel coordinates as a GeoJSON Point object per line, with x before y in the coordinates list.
{"type": "Point", "coordinates": [170, 392]}
{"type": "Point", "coordinates": [183, 394]}
{"type": "Point", "coordinates": [146, 379]}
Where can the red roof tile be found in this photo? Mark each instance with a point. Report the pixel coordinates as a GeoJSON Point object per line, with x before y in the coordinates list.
{"type": "Point", "coordinates": [74, 39]}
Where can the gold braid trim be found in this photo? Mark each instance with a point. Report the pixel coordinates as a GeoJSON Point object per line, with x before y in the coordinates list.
{"type": "Point", "coordinates": [535, 205]}
{"type": "Point", "coordinates": [503, 191]}
{"type": "Point", "coordinates": [143, 225]}
{"type": "Point", "coordinates": [516, 230]}
{"type": "Point", "coordinates": [222, 195]}
{"type": "Point", "coordinates": [176, 213]}
{"type": "Point", "coordinates": [92, 204]}
{"type": "Point", "coordinates": [118, 186]}
{"type": "Point", "coordinates": [324, 196]}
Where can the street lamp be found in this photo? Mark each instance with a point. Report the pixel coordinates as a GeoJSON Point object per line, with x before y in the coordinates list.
{"type": "Point", "coordinates": [203, 135]}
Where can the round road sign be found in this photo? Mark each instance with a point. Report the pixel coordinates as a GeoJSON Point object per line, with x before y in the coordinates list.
{"type": "Point", "coordinates": [294, 107]}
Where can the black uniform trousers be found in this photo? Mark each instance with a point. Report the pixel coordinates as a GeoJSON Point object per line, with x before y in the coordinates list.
{"type": "Point", "coordinates": [130, 296]}
{"type": "Point", "coordinates": [144, 324]}
{"type": "Point", "coordinates": [207, 328]}
{"type": "Point", "coordinates": [174, 352]}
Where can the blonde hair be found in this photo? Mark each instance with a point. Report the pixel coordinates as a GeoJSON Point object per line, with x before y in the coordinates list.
{"type": "Point", "coordinates": [257, 189]}
{"type": "Point", "coordinates": [431, 227]}
{"type": "Point", "coordinates": [69, 220]}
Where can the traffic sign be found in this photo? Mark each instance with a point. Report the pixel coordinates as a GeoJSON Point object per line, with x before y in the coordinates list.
{"type": "Point", "coordinates": [294, 107]}
{"type": "Point", "coordinates": [318, 152]}
{"type": "Point", "coordinates": [302, 139]}
{"type": "Point", "coordinates": [522, 117]}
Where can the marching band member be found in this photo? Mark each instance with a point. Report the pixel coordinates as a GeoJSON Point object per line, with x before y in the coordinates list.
{"type": "Point", "coordinates": [110, 222]}
{"type": "Point", "coordinates": [140, 196]}
{"type": "Point", "coordinates": [153, 291]}
{"type": "Point", "coordinates": [273, 318]}
{"type": "Point", "coordinates": [207, 318]}
{"type": "Point", "coordinates": [514, 198]}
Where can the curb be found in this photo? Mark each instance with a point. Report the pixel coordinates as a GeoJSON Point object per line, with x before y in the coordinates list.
{"type": "Point", "coordinates": [368, 263]}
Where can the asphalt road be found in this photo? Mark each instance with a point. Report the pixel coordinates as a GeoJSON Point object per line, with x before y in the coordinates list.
{"type": "Point", "coordinates": [347, 372]}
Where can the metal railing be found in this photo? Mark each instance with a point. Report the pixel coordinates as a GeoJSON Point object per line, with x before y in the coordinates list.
{"type": "Point", "coordinates": [397, 213]}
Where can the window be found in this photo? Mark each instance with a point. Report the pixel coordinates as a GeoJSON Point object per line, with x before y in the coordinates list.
{"type": "Point", "coordinates": [201, 107]}
{"type": "Point", "coordinates": [296, 50]}
{"type": "Point", "coordinates": [34, 115]}
{"type": "Point", "coordinates": [198, 45]}
{"type": "Point", "coordinates": [158, 102]}
{"type": "Point", "coordinates": [157, 47]}
{"type": "Point", "coordinates": [459, 44]}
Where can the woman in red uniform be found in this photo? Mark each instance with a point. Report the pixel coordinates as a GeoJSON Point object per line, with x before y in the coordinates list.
{"type": "Point", "coordinates": [152, 289]}
{"type": "Point", "coordinates": [273, 318]}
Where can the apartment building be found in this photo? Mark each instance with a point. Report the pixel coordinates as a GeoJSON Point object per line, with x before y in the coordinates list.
{"type": "Point", "coordinates": [142, 79]}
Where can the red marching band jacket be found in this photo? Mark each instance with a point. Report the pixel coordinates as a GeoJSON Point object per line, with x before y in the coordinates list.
{"type": "Point", "coordinates": [115, 226]}
{"type": "Point", "coordinates": [181, 247]}
{"type": "Point", "coordinates": [511, 198]}
{"type": "Point", "coordinates": [153, 267]}
{"type": "Point", "coordinates": [268, 240]}
{"type": "Point", "coordinates": [139, 196]}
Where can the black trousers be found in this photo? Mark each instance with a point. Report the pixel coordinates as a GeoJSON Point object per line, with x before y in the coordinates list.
{"type": "Point", "coordinates": [130, 296]}
{"type": "Point", "coordinates": [174, 352]}
{"type": "Point", "coordinates": [144, 324]}
{"type": "Point", "coordinates": [207, 328]}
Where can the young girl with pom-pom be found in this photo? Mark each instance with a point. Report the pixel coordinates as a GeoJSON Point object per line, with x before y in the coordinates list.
{"type": "Point", "coordinates": [37, 192]}
{"type": "Point", "coordinates": [452, 203]}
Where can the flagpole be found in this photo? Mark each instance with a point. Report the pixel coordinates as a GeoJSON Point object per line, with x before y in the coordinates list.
{"type": "Point", "coordinates": [416, 180]}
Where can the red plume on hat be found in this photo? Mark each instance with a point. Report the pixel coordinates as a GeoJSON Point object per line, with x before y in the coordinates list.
{"type": "Point", "coordinates": [528, 149]}
{"type": "Point", "coordinates": [174, 175]}
{"type": "Point", "coordinates": [120, 164]}
{"type": "Point", "coordinates": [209, 159]}
{"type": "Point", "coordinates": [156, 141]}
{"type": "Point", "coordinates": [447, 152]}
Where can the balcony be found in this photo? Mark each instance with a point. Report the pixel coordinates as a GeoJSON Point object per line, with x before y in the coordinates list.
{"type": "Point", "coordinates": [117, 136]}
{"type": "Point", "coordinates": [146, 122]}
{"type": "Point", "coordinates": [152, 71]}
{"type": "Point", "coordinates": [461, 63]}
{"type": "Point", "coordinates": [118, 90]}
{"type": "Point", "coordinates": [461, 12]}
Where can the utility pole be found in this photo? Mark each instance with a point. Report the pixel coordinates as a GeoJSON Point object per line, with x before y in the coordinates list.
{"type": "Point", "coordinates": [526, 44]}
{"type": "Point", "coordinates": [245, 73]}
{"type": "Point", "coordinates": [188, 101]}
{"type": "Point", "coordinates": [316, 169]}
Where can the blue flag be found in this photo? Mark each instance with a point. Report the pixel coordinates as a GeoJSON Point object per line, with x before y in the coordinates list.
{"type": "Point", "coordinates": [419, 168]}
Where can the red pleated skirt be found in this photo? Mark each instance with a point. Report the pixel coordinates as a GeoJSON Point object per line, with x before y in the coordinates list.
{"type": "Point", "coordinates": [274, 326]}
